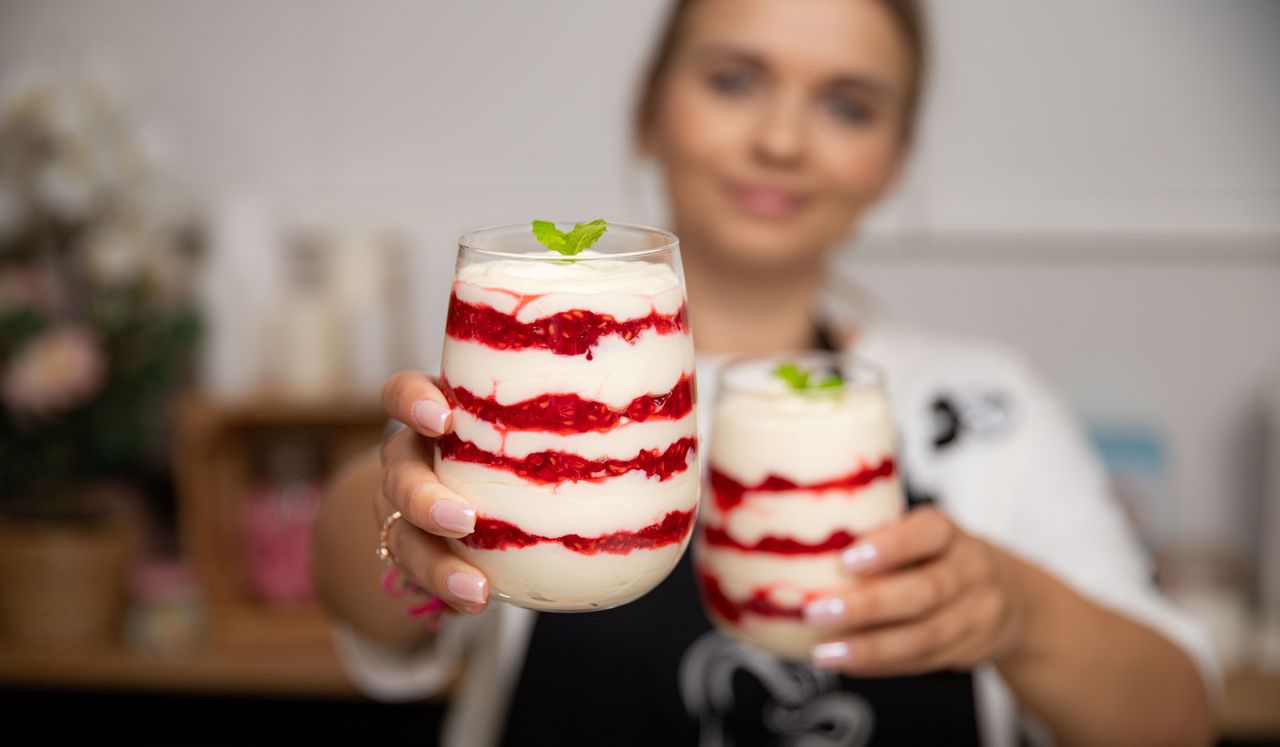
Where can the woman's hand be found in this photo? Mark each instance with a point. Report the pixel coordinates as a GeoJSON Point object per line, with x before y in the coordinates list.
{"type": "Point", "coordinates": [430, 510]}
{"type": "Point", "coordinates": [926, 596]}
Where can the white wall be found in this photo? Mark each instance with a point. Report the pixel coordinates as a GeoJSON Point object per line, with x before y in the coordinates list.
{"type": "Point", "coordinates": [1102, 115]}
{"type": "Point", "coordinates": [1088, 118]}
{"type": "Point", "coordinates": [1097, 115]}
{"type": "Point", "coordinates": [1188, 347]}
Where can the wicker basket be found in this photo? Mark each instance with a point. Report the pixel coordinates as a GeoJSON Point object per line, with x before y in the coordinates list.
{"type": "Point", "coordinates": [62, 584]}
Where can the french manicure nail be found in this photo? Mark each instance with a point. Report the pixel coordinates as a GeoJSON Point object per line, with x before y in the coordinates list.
{"type": "Point", "coordinates": [831, 654]}
{"type": "Point", "coordinates": [466, 586]}
{"type": "Point", "coordinates": [824, 611]}
{"type": "Point", "coordinates": [430, 415]}
{"type": "Point", "coordinates": [455, 516]}
{"type": "Point", "coordinates": [860, 556]}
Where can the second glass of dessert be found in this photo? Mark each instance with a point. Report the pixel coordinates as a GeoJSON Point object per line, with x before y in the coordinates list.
{"type": "Point", "coordinates": [802, 462]}
{"type": "Point", "coordinates": [570, 373]}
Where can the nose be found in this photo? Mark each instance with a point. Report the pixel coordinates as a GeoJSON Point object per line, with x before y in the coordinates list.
{"type": "Point", "coordinates": [780, 134]}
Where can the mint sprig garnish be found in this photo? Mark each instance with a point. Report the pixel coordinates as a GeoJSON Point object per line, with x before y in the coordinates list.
{"type": "Point", "coordinates": [801, 380]}
{"type": "Point", "coordinates": [572, 242]}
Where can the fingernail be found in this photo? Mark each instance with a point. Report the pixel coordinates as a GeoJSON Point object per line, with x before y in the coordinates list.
{"type": "Point", "coordinates": [860, 556]}
{"type": "Point", "coordinates": [430, 415]}
{"type": "Point", "coordinates": [466, 586]}
{"type": "Point", "coordinates": [824, 611]}
{"type": "Point", "coordinates": [455, 516]}
{"type": "Point", "coordinates": [830, 655]}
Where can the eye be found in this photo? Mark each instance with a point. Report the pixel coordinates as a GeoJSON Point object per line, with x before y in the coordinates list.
{"type": "Point", "coordinates": [849, 109]}
{"type": "Point", "coordinates": [732, 82]}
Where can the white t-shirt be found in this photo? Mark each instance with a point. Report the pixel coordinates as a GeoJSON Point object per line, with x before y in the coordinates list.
{"type": "Point", "coordinates": [1018, 473]}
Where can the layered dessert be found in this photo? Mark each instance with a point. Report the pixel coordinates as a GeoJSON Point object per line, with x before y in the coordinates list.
{"type": "Point", "coordinates": [796, 476]}
{"type": "Point", "coordinates": [574, 436]}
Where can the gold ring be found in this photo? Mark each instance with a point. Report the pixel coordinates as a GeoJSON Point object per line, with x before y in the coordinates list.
{"type": "Point", "coordinates": [384, 539]}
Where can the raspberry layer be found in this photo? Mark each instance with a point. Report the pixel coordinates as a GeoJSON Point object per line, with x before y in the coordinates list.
{"type": "Point", "coordinates": [769, 614]}
{"type": "Point", "coordinates": [728, 492]}
{"type": "Point", "coordinates": [569, 333]}
{"type": "Point", "coordinates": [572, 413]}
{"type": "Point", "coordinates": [555, 467]}
{"type": "Point", "coordinates": [494, 534]}
{"type": "Point", "coordinates": [758, 603]}
{"type": "Point", "coordinates": [838, 540]}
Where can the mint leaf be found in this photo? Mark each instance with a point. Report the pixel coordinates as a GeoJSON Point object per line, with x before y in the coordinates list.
{"type": "Point", "coordinates": [831, 382]}
{"type": "Point", "coordinates": [549, 236]}
{"type": "Point", "coordinates": [799, 379]}
{"type": "Point", "coordinates": [581, 237]}
{"type": "Point", "coordinates": [584, 235]}
{"type": "Point", "coordinates": [791, 373]}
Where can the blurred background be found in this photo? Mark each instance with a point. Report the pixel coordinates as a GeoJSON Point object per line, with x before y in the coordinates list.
{"type": "Point", "coordinates": [222, 225]}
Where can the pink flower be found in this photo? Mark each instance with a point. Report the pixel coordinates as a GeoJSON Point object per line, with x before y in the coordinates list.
{"type": "Point", "coordinates": [33, 288]}
{"type": "Point", "coordinates": [58, 371]}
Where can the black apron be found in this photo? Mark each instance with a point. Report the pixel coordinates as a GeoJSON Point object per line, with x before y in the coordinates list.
{"type": "Point", "coordinates": [654, 672]}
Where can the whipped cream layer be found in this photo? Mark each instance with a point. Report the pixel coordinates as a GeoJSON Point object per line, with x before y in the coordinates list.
{"type": "Point", "coordinates": [806, 437]}
{"type": "Point", "coordinates": [624, 441]}
{"type": "Point", "coordinates": [532, 290]}
{"type": "Point", "coordinates": [629, 501]}
{"type": "Point", "coordinates": [552, 578]}
{"type": "Point", "coordinates": [574, 435]}
{"type": "Point", "coordinates": [612, 375]}
{"type": "Point", "coordinates": [790, 639]}
{"type": "Point", "coordinates": [808, 516]}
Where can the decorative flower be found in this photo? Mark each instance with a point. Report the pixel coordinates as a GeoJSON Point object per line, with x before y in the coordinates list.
{"type": "Point", "coordinates": [33, 288]}
{"type": "Point", "coordinates": [65, 190]}
{"type": "Point", "coordinates": [94, 297]}
{"type": "Point", "coordinates": [57, 371]}
{"type": "Point", "coordinates": [114, 255]}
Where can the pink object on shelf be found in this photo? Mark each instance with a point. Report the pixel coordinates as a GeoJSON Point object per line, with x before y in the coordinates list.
{"type": "Point", "coordinates": [167, 613]}
{"type": "Point", "coordinates": [276, 524]}
{"type": "Point", "coordinates": [162, 579]}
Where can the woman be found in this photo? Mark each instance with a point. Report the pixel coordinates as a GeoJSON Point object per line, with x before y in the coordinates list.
{"type": "Point", "coordinates": [776, 124]}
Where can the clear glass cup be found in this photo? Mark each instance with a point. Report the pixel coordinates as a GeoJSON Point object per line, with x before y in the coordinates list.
{"type": "Point", "coordinates": [795, 477]}
{"type": "Point", "coordinates": [574, 429]}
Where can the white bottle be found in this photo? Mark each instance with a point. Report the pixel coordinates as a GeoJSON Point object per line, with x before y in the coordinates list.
{"type": "Point", "coordinates": [305, 349]}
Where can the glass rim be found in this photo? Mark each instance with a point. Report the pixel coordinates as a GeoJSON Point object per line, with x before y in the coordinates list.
{"type": "Point", "coordinates": [845, 362]}
{"type": "Point", "coordinates": [670, 242]}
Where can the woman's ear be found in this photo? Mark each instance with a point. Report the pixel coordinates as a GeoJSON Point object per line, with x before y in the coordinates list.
{"type": "Point", "coordinates": [649, 140]}
{"type": "Point", "coordinates": [646, 140]}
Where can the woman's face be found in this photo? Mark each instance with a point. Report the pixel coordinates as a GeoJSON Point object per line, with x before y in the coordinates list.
{"type": "Point", "coordinates": [778, 123]}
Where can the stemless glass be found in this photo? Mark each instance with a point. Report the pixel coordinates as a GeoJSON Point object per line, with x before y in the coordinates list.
{"type": "Point", "coordinates": [795, 476]}
{"type": "Point", "coordinates": [574, 434]}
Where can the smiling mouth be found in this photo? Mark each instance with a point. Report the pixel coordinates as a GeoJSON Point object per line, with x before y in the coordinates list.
{"type": "Point", "coordinates": [771, 203]}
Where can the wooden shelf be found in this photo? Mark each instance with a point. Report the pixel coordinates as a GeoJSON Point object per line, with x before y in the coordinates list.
{"type": "Point", "coordinates": [214, 447]}
{"type": "Point", "coordinates": [244, 625]}
{"type": "Point", "coordinates": [252, 649]}
{"type": "Point", "coordinates": [294, 671]}
{"type": "Point", "coordinates": [277, 412]}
